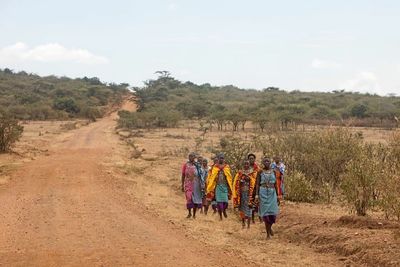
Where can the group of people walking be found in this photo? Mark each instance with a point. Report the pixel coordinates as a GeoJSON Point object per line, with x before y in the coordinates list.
{"type": "Point", "coordinates": [253, 190]}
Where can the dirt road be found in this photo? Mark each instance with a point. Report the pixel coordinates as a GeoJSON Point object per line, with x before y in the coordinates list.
{"type": "Point", "coordinates": [67, 209]}
{"type": "Point", "coordinates": [82, 201]}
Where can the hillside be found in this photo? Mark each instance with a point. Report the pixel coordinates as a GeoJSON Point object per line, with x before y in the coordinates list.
{"type": "Point", "coordinates": [31, 97]}
{"type": "Point", "coordinates": [232, 104]}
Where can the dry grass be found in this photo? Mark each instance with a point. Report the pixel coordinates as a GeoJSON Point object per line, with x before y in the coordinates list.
{"type": "Point", "coordinates": [299, 227]}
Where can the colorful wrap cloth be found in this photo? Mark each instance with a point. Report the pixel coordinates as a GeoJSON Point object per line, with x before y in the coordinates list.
{"type": "Point", "coordinates": [192, 186]}
{"type": "Point", "coordinates": [279, 171]}
{"type": "Point", "coordinates": [243, 188]}
{"type": "Point", "coordinates": [220, 190]}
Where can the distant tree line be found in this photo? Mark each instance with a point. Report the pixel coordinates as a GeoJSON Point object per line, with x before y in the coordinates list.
{"type": "Point", "coordinates": [220, 106]}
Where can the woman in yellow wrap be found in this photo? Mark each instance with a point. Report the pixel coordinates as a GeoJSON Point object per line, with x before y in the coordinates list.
{"type": "Point", "coordinates": [219, 185]}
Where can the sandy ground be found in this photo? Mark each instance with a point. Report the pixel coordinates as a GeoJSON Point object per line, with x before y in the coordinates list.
{"type": "Point", "coordinates": [77, 198]}
{"type": "Point", "coordinates": [66, 208]}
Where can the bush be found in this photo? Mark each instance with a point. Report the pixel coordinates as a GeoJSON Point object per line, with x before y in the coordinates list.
{"type": "Point", "coordinates": [390, 193]}
{"type": "Point", "coordinates": [359, 110]}
{"type": "Point", "coordinates": [360, 179]}
{"type": "Point", "coordinates": [92, 113]}
{"type": "Point", "coordinates": [127, 119]}
{"type": "Point", "coordinates": [149, 119]}
{"type": "Point", "coordinates": [299, 188]}
{"type": "Point", "coordinates": [321, 155]}
{"type": "Point", "coordinates": [10, 132]}
{"type": "Point", "coordinates": [67, 104]}
{"type": "Point", "coordinates": [389, 182]}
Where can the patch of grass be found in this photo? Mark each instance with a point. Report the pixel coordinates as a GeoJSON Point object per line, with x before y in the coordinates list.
{"type": "Point", "coordinates": [150, 158]}
{"type": "Point", "coordinates": [174, 152]}
{"type": "Point", "coordinates": [136, 152]}
{"type": "Point", "coordinates": [132, 169]}
{"type": "Point", "coordinates": [175, 136]}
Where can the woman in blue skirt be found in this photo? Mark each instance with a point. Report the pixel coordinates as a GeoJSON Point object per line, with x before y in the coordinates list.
{"type": "Point", "coordinates": [266, 196]}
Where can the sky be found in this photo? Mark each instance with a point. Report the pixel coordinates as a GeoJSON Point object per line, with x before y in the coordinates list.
{"type": "Point", "coordinates": [311, 45]}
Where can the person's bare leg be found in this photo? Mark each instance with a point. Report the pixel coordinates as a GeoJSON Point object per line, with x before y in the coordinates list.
{"type": "Point", "coordinates": [206, 209]}
{"type": "Point", "coordinates": [243, 224]}
{"type": "Point", "coordinates": [267, 228]}
{"type": "Point", "coordinates": [224, 212]}
{"type": "Point", "coordinates": [214, 207]}
{"type": "Point", "coordinates": [220, 215]}
{"type": "Point", "coordinates": [270, 230]}
{"type": "Point", "coordinates": [194, 212]}
{"type": "Point", "coordinates": [189, 213]}
{"type": "Point", "coordinates": [252, 216]}
{"type": "Point", "coordinates": [248, 223]}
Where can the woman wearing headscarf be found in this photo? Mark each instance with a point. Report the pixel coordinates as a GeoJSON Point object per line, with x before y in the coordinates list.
{"type": "Point", "coordinates": [191, 185]}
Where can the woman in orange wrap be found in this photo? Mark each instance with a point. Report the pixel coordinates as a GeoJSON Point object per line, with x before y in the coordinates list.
{"type": "Point", "coordinates": [243, 188]}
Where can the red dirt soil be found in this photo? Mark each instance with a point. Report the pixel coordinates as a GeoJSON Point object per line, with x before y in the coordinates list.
{"type": "Point", "coordinates": [66, 209]}
{"type": "Point", "coordinates": [85, 202]}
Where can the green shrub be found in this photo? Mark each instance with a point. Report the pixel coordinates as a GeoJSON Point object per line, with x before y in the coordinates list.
{"type": "Point", "coordinates": [389, 182]}
{"type": "Point", "coordinates": [152, 118]}
{"type": "Point", "coordinates": [299, 188]}
{"type": "Point", "coordinates": [67, 104]}
{"type": "Point", "coordinates": [10, 132]}
{"type": "Point", "coordinates": [320, 155]}
{"type": "Point", "coordinates": [360, 180]}
{"type": "Point", "coordinates": [389, 199]}
{"type": "Point", "coordinates": [92, 113]}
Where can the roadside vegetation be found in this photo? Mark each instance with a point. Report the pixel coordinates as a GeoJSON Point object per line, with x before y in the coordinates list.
{"type": "Point", "coordinates": [327, 164]}
{"type": "Point", "coordinates": [10, 132]}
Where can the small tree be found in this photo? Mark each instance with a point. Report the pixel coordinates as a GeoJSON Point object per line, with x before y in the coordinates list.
{"type": "Point", "coordinates": [234, 119]}
{"type": "Point", "coordinates": [220, 119]}
{"type": "Point", "coordinates": [360, 180]}
{"type": "Point", "coordinates": [261, 121]}
{"type": "Point", "coordinates": [10, 132]}
{"type": "Point", "coordinates": [359, 111]}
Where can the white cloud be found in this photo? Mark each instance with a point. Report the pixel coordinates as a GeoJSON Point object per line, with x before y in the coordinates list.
{"type": "Point", "coordinates": [51, 52]}
{"type": "Point", "coordinates": [311, 45]}
{"type": "Point", "coordinates": [172, 6]}
{"type": "Point", "coordinates": [324, 64]}
{"type": "Point", "coordinates": [364, 82]}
